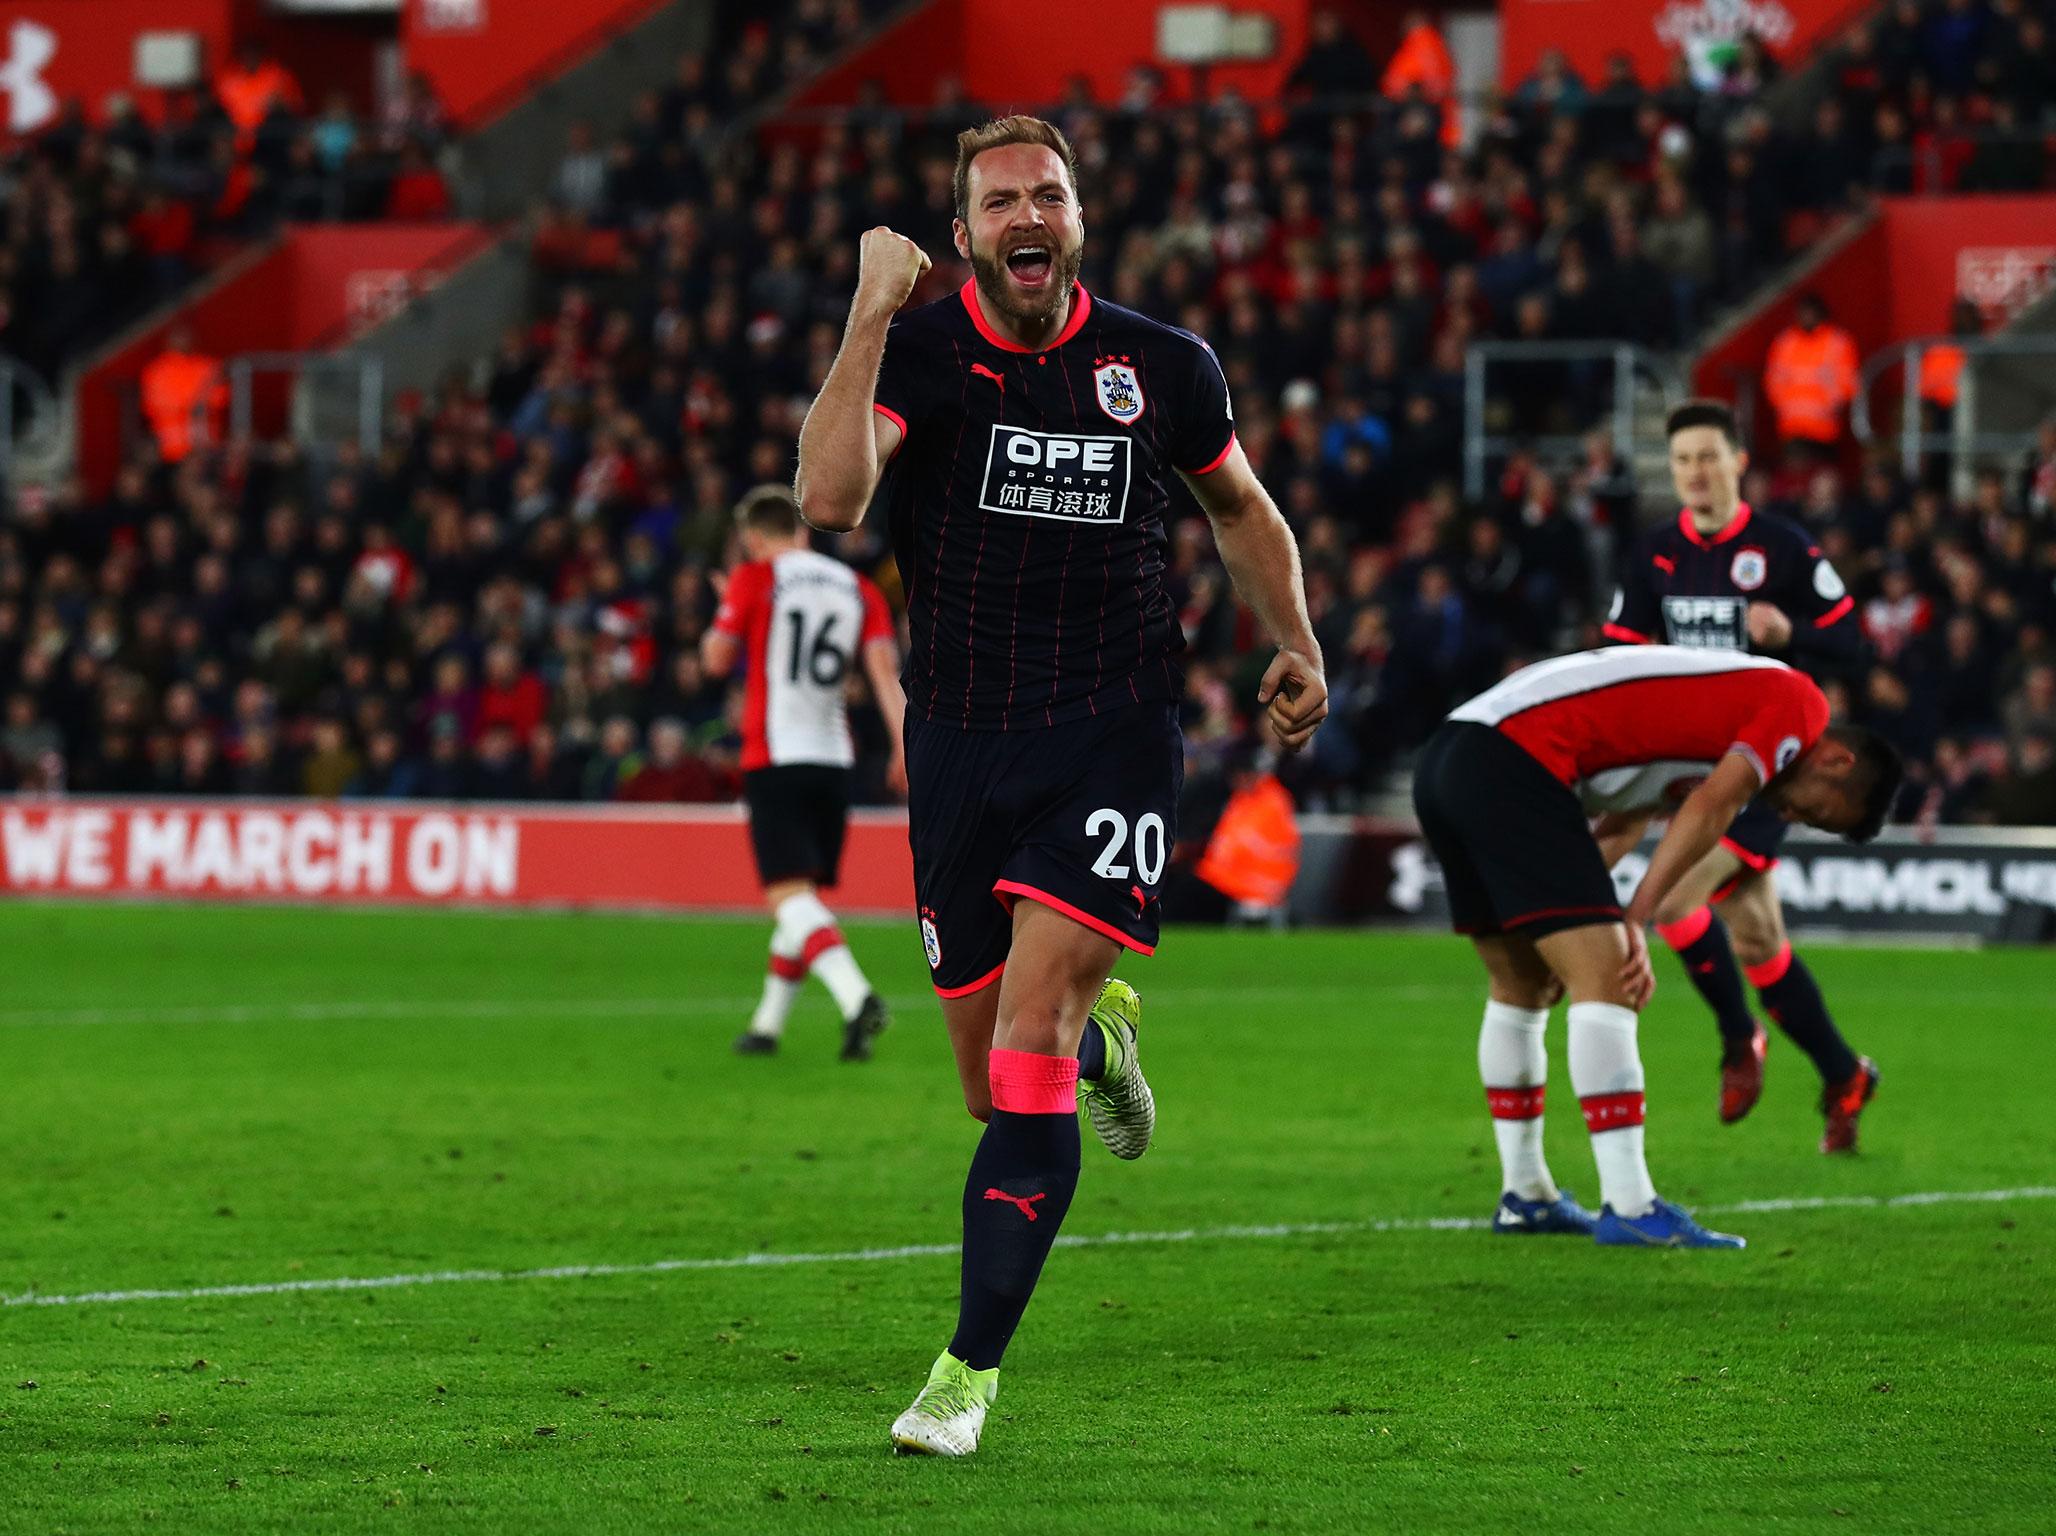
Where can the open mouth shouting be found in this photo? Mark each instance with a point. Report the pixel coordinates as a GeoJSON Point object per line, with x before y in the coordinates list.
{"type": "Point", "coordinates": [1032, 265]}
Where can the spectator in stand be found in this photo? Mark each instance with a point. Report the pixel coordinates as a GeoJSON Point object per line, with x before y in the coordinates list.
{"type": "Point", "coordinates": [332, 764]}
{"type": "Point", "coordinates": [2026, 795]}
{"type": "Point", "coordinates": [672, 773]}
{"type": "Point", "coordinates": [1809, 377]}
{"type": "Point", "coordinates": [417, 191]}
{"type": "Point", "coordinates": [510, 696]}
{"type": "Point", "coordinates": [252, 89]}
{"type": "Point", "coordinates": [614, 763]}
{"type": "Point", "coordinates": [183, 396]}
{"type": "Point", "coordinates": [1335, 64]}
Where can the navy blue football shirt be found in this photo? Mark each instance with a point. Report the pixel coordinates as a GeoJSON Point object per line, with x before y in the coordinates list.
{"type": "Point", "coordinates": [1027, 503]}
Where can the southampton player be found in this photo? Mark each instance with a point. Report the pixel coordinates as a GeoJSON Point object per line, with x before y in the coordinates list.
{"type": "Point", "coordinates": [1728, 577]}
{"type": "Point", "coordinates": [1504, 790]}
{"type": "Point", "coordinates": [800, 621]}
{"type": "Point", "coordinates": [1030, 436]}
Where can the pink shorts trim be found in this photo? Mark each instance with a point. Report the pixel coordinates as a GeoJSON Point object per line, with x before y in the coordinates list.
{"type": "Point", "coordinates": [1026, 1083]}
{"type": "Point", "coordinates": [973, 986]}
{"type": "Point", "coordinates": [1007, 889]}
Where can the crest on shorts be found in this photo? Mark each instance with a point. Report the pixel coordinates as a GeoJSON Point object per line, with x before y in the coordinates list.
{"type": "Point", "coordinates": [931, 941]}
{"type": "Point", "coordinates": [1749, 569]}
{"type": "Point", "coordinates": [1120, 392]}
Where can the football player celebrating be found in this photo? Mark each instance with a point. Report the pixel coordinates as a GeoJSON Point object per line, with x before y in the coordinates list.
{"type": "Point", "coordinates": [1726, 576]}
{"type": "Point", "coordinates": [1029, 436]}
{"type": "Point", "coordinates": [1503, 791]}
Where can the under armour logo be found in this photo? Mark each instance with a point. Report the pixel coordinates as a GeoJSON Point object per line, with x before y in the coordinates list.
{"type": "Point", "coordinates": [981, 368]}
{"type": "Point", "coordinates": [1026, 1205]}
{"type": "Point", "coordinates": [32, 103]}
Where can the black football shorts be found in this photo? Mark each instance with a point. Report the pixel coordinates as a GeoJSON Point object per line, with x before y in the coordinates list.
{"type": "Point", "coordinates": [798, 814]}
{"type": "Point", "coordinates": [1079, 817]}
{"type": "Point", "coordinates": [1516, 850]}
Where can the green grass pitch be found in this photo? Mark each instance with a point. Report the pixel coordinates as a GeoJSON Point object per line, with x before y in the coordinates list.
{"type": "Point", "coordinates": [199, 1098]}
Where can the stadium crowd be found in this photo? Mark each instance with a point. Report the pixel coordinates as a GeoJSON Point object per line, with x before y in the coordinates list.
{"type": "Point", "coordinates": [104, 215]}
{"type": "Point", "coordinates": [505, 601]}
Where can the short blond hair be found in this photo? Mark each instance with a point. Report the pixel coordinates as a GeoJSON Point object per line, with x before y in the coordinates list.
{"type": "Point", "coordinates": [997, 134]}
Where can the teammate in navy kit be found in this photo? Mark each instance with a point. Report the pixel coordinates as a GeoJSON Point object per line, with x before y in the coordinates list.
{"type": "Point", "coordinates": [1024, 438]}
{"type": "Point", "coordinates": [1727, 577]}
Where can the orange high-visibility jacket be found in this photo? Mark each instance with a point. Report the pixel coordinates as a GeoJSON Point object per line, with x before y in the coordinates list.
{"type": "Point", "coordinates": [1941, 376]}
{"type": "Point", "coordinates": [175, 386]}
{"type": "Point", "coordinates": [1423, 59]}
{"type": "Point", "coordinates": [1810, 379]}
{"type": "Point", "coordinates": [1254, 852]}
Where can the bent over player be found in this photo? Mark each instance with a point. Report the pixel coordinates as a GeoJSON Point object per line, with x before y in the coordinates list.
{"type": "Point", "coordinates": [1030, 435]}
{"type": "Point", "coordinates": [800, 621]}
{"type": "Point", "coordinates": [1503, 791]}
{"type": "Point", "coordinates": [1730, 578]}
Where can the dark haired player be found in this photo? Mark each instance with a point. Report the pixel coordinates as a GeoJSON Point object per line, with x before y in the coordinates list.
{"type": "Point", "coordinates": [1728, 577]}
{"type": "Point", "coordinates": [1029, 437]}
{"type": "Point", "coordinates": [1504, 790]}
{"type": "Point", "coordinates": [799, 623]}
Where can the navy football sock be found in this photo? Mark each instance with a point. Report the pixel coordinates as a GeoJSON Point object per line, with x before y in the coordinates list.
{"type": "Point", "coordinates": [1701, 942]}
{"type": "Point", "coordinates": [1092, 1053]}
{"type": "Point", "coordinates": [1022, 1179]}
{"type": "Point", "coordinates": [1792, 997]}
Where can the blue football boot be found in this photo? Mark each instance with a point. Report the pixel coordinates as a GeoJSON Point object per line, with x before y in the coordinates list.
{"type": "Point", "coordinates": [1666, 1226]}
{"type": "Point", "coordinates": [1563, 1214]}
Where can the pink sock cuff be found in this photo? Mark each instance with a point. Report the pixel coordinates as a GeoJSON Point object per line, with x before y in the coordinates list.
{"type": "Point", "coordinates": [1687, 930]}
{"type": "Point", "coordinates": [1025, 1083]}
{"type": "Point", "coordinates": [1772, 971]}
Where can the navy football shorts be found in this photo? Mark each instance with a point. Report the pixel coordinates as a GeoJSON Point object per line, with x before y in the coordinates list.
{"type": "Point", "coordinates": [1079, 817]}
{"type": "Point", "coordinates": [1754, 837]}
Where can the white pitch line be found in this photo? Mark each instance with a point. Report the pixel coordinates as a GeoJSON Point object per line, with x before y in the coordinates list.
{"type": "Point", "coordinates": [950, 1250]}
{"type": "Point", "coordinates": [386, 1009]}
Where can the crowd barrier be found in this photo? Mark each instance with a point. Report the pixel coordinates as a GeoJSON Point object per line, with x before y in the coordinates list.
{"type": "Point", "coordinates": [1983, 884]}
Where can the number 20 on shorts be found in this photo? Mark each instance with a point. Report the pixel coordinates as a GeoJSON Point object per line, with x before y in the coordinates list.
{"type": "Point", "coordinates": [1150, 845]}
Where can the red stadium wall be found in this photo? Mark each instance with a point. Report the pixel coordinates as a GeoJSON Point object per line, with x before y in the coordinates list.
{"type": "Point", "coordinates": [94, 50]}
{"type": "Point", "coordinates": [1002, 52]}
{"type": "Point", "coordinates": [484, 55]}
{"type": "Point", "coordinates": [677, 858]}
{"type": "Point", "coordinates": [1899, 276]}
{"type": "Point", "coordinates": [307, 291]}
{"type": "Point", "coordinates": [1651, 31]}
{"type": "Point", "coordinates": [91, 51]}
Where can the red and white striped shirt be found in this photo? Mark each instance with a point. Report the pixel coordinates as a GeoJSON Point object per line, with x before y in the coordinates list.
{"type": "Point", "coordinates": [1638, 728]}
{"type": "Point", "coordinates": [803, 619]}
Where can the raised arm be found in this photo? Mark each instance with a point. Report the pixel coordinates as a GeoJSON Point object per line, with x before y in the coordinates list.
{"type": "Point", "coordinates": [1262, 557]}
{"type": "Point", "coordinates": [844, 443]}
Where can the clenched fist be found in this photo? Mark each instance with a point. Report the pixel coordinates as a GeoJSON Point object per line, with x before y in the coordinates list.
{"type": "Point", "coordinates": [888, 266]}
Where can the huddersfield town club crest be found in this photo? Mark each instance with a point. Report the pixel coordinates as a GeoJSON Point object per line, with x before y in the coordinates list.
{"type": "Point", "coordinates": [931, 941]}
{"type": "Point", "coordinates": [1749, 569]}
{"type": "Point", "coordinates": [1120, 394]}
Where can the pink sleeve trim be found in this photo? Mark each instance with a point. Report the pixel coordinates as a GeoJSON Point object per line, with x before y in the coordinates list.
{"type": "Point", "coordinates": [897, 420]}
{"type": "Point", "coordinates": [1835, 614]}
{"type": "Point", "coordinates": [1218, 460]}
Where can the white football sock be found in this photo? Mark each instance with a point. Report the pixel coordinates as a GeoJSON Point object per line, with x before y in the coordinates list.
{"type": "Point", "coordinates": [783, 978]}
{"type": "Point", "coordinates": [805, 922]}
{"type": "Point", "coordinates": [1514, 1064]}
{"type": "Point", "coordinates": [1606, 1075]}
